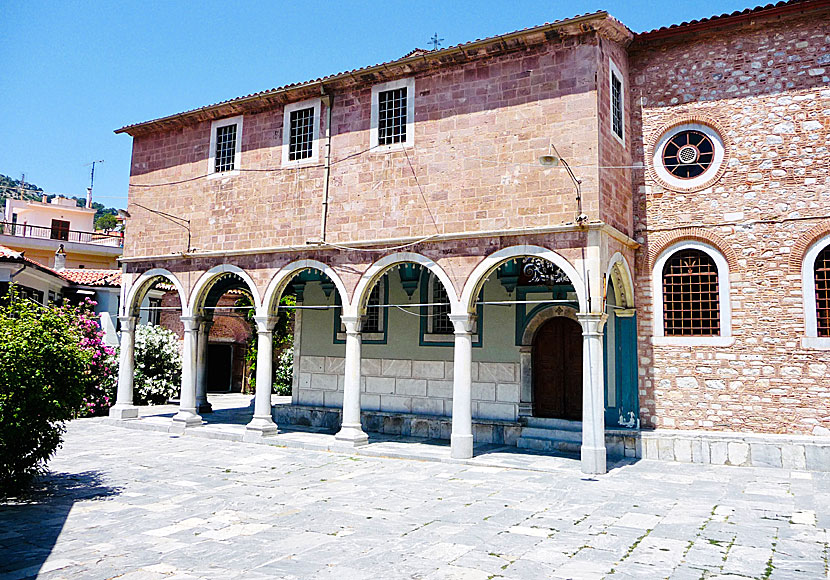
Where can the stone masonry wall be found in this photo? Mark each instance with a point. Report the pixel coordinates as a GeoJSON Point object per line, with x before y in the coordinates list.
{"type": "Point", "coordinates": [765, 87]}
{"type": "Point", "coordinates": [410, 386]}
{"type": "Point", "coordinates": [479, 128]}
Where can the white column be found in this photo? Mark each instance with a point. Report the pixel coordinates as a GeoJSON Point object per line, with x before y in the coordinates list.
{"type": "Point", "coordinates": [202, 403]}
{"type": "Point", "coordinates": [351, 431]}
{"type": "Point", "coordinates": [593, 394]}
{"type": "Point", "coordinates": [124, 408]}
{"type": "Point", "coordinates": [263, 422]}
{"type": "Point", "coordinates": [461, 440]}
{"type": "Point", "coordinates": [187, 415]}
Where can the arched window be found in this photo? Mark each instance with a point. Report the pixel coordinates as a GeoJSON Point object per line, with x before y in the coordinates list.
{"type": "Point", "coordinates": [691, 296]}
{"type": "Point", "coordinates": [815, 279]}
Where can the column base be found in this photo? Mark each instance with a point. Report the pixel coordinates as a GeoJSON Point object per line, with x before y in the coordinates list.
{"type": "Point", "coordinates": [352, 436]}
{"type": "Point", "coordinates": [204, 407]}
{"type": "Point", "coordinates": [593, 460]}
{"type": "Point", "coordinates": [461, 446]}
{"type": "Point", "coordinates": [123, 412]}
{"type": "Point", "coordinates": [260, 427]}
{"type": "Point", "coordinates": [183, 419]}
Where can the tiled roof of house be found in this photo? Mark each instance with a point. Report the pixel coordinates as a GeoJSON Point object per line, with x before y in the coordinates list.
{"type": "Point", "coordinates": [729, 18]}
{"type": "Point", "coordinates": [90, 277]}
{"type": "Point", "coordinates": [80, 276]}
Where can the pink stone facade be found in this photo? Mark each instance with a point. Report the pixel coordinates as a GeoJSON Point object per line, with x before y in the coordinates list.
{"type": "Point", "coordinates": [470, 186]}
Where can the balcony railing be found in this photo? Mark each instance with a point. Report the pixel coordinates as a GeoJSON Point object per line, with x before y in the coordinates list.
{"type": "Point", "coordinates": [113, 240]}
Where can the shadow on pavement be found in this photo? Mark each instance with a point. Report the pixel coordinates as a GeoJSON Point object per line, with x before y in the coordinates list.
{"type": "Point", "coordinates": [30, 525]}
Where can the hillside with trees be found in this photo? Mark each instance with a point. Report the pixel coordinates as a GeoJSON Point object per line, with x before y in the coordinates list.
{"type": "Point", "coordinates": [11, 188]}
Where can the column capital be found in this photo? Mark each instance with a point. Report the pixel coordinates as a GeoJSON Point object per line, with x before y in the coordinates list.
{"type": "Point", "coordinates": [463, 323]}
{"type": "Point", "coordinates": [205, 324]}
{"type": "Point", "coordinates": [592, 322]}
{"type": "Point", "coordinates": [128, 323]}
{"type": "Point", "coordinates": [191, 323]}
{"type": "Point", "coordinates": [265, 323]}
{"type": "Point", "coordinates": [353, 324]}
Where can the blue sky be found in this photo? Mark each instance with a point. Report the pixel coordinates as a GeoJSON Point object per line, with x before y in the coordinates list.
{"type": "Point", "coordinates": [71, 72]}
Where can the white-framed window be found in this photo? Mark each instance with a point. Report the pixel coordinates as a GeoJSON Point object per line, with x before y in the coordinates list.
{"type": "Point", "coordinates": [393, 114]}
{"type": "Point", "coordinates": [438, 319]}
{"type": "Point", "coordinates": [301, 132]}
{"type": "Point", "coordinates": [688, 156]}
{"type": "Point", "coordinates": [225, 146]}
{"type": "Point", "coordinates": [617, 104]}
{"type": "Point", "coordinates": [690, 286]}
{"type": "Point", "coordinates": [815, 282]}
{"type": "Point", "coordinates": [374, 321]}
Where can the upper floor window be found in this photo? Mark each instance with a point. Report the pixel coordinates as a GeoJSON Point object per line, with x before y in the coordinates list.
{"type": "Point", "coordinates": [688, 157]}
{"type": "Point", "coordinates": [225, 145]}
{"type": "Point", "coordinates": [691, 296]}
{"type": "Point", "coordinates": [392, 113]}
{"type": "Point", "coordinates": [617, 103]}
{"type": "Point", "coordinates": [815, 280]}
{"type": "Point", "coordinates": [301, 130]}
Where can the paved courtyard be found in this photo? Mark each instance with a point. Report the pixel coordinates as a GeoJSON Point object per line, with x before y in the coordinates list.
{"type": "Point", "coordinates": [141, 504]}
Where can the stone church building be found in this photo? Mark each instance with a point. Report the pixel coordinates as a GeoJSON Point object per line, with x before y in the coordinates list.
{"type": "Point", "coordinates": [570, 237]}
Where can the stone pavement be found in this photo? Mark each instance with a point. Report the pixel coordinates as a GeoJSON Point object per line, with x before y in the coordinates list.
{"type": "Point", "coordinates": [141, 505]}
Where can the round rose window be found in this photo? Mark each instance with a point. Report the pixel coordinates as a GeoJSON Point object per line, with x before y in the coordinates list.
{"type": "Point", "coordinates": [688, 154]}
{"type": "Point", "coordinates": [688, 157]}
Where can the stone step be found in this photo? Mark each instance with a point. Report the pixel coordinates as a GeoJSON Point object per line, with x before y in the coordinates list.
{"type": "Point", "coordinates": [559, 424]}
{"type": "Point", "coordinates": [552, 434]}
{"type": "Point", "coordinates": [547, 445]}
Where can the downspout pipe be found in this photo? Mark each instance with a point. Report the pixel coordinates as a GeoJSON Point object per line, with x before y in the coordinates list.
{"type": "Point", "coordinates": [327, 100]}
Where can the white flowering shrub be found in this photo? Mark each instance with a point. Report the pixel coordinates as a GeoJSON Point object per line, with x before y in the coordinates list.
{"type": "Point", "coordinates": [158, 365]}
{"type": "Point", "coordinates": [284, 372]}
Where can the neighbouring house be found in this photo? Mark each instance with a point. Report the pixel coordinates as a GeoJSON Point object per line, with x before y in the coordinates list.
{"type": "Point", "coordinates": [570, 237]}
{"type": "Point", "coordinates": [40, 227]}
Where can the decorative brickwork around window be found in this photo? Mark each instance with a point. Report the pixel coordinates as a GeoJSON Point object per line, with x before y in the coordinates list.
{"type": "Point", "coordinates": [822, 274]}
{"type": "Point", "coordinates": [690, 295]}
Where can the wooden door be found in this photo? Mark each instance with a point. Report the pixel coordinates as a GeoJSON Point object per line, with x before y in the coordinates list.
{"type": "Point", "coordinates": [557, 370]}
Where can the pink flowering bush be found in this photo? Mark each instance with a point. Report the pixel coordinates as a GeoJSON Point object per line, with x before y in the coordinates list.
{"type": "Point", "coordinates": [100, 391]}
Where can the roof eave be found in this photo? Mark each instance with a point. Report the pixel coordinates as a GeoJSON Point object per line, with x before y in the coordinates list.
{"type": "Point", "coordinates": [610, 27]}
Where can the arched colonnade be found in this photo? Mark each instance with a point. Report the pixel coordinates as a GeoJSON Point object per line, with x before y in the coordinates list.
{"type": "Point", "coordinates": [195, 316]}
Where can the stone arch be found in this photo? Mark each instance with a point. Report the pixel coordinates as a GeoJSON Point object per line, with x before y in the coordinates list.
{"type": "Point", "coordinates": [140, 287]}
{"type": "Point", "coordinates": [284, 276]}
{"type": "Point", "coordinates": [206, 281]}
{"type": "Point", "coordinates": [620, 273]}
{"type": "Point", "coordinates": [659, 244]}
{"type": "Point", "coordinates": [380, 267]}
{"type": "Point", "coordinates": [542, 317]}
{"type": "Point", "coordinates": [805, 243]}
{"type": "Point", "coordinates": [466, 305]}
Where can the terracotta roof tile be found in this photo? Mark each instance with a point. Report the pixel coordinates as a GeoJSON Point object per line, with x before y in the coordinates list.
{"type": "Point", "coordinates": [90, 277]}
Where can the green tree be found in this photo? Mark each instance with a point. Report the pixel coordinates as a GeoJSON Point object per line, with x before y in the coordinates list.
{"type": "Point", "coordinates": [106, 222]}
{"type": "Point", "coordinates": [45, 371]}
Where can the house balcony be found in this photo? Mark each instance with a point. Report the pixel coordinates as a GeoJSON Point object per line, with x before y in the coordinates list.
{"type": "Point", "coordinates": [90, 249]}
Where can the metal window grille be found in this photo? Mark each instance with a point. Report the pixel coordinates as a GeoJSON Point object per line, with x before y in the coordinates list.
{"type": "Point", "coordinates": [371, 322]}
{"type": "Point", "coordinates": [225, 148]}
{"type": "Point", "coordinates": [688, 154]}
{"type": "Point", "coordinates": [392, 116]}
{"type": "Point", "coordinates": [822, 276]}
{"type": "Point", "coordinates": [616, 106]}
{"type": "Point", "coordinates": [441, 323]}
{"type": "Point", "coordinates": [691, 305]}
{"type": "Point", "coordinates": [301, 135]}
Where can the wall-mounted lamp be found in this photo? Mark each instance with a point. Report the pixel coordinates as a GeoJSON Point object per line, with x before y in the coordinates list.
{"type": "Point", "coordinates": [554, 159]}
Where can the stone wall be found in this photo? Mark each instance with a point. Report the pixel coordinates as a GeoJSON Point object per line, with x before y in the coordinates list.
{"type": "Point", "coordinates": [410, 386]}
{"type": "Point", "coordinates": [764, 86]}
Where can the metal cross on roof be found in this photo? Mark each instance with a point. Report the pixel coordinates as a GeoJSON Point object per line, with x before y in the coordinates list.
{"type": "Point", "coordinates": [435, 41]}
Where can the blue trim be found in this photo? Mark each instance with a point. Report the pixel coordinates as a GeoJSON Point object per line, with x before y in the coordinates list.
{"type": "Point", "coordinates": [523, 317]}
{"type": "Point", "coordinates": [423, 289]}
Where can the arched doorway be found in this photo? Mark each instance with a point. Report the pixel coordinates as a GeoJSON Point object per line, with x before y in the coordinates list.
{"type": "Point", "coordinates": [557, 370]}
